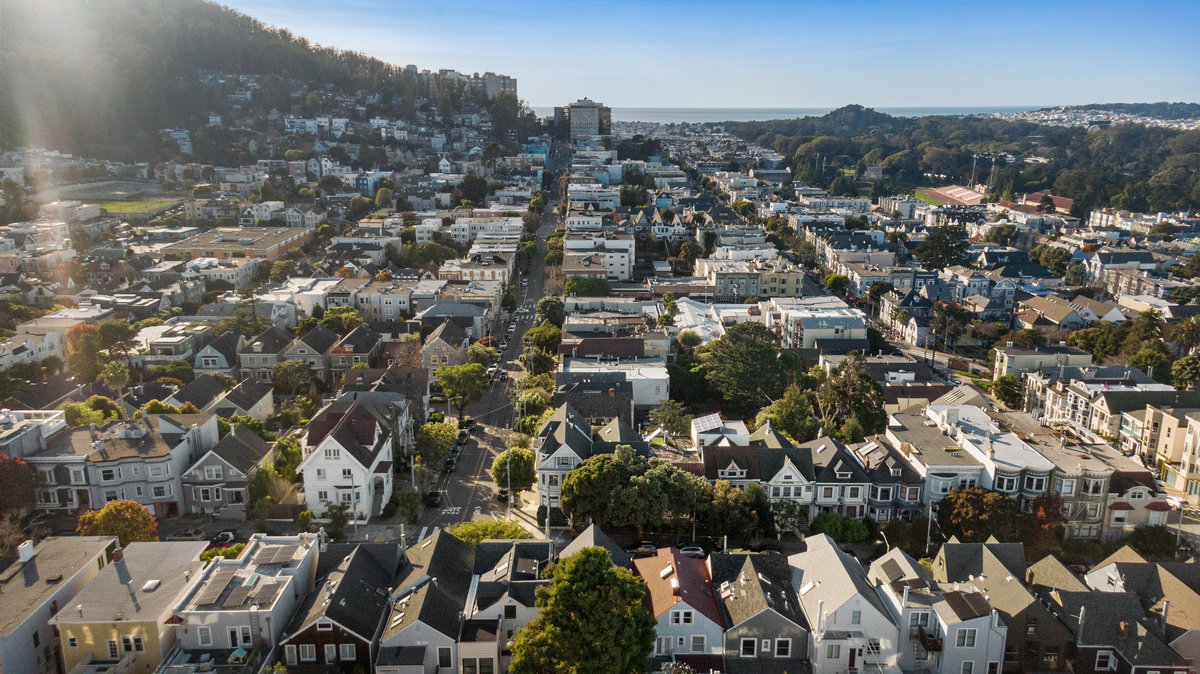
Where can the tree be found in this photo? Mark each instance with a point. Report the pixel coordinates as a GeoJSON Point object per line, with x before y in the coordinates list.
{"type": "Point", "coordinates": [482, 354]}
{"type": "Point", "coordinates": [670, 415]}
{"type": "Point", "coordinates": [463, 384]}
{"type": "Point", "coordinates": [281, 270]}
{"type": "Point", "coordinates": [794, 413]}
{"type": "Point", "coordinates": [1187, 334]}
{"type": "Point", "coordinates": [837, 283]}
{"type": "Point", "coordinates": [1154, 360]}
{"type": "Point", "coordinates": [116, 335]}
{"type": "Point", "coordinates": [84, 359]}
{"type": "Point", "coordinates": [1048, 522]}
{"type": "Point", "coordinates": [342, 320]}
{"type": "Point", "coordinates": [115, 375]}
{"type": "Point", "coordinates": [577, 286]}
{"type": "Point", "coordinates": [1185, 373]}
{"type": "Point", "coordinates": [434, 440]}
{"type": "Point", "coordinates": [943, 247]}
{"type": "Point", "coordinates": [1029, 338]}
{"type": "Point", "coordinates": [588, 489]}
{"type": "Point", "coordinates": [1009, 390]}
{"type": "Point", "coordinates": [688, 339]}
{"type": "Point", "coordinates": [18, 486]}
{"type": "Point", "coordinates": [840, 528]}
{"type": "Point", "coordinates": [520, 476]}
{"type": "Point", "coordinates": [545, 337]}
{"type": "Point", "coordinates": [789, 515]}
{"type": "Point", "coordinates": [473, 532]}
{"type": "Point", "coordinates": [595, 607]}
{"type": "Point", "coordinates": [976, 514]}
{"type": "Point", "coordinates": [743, 366]}
{"type": "Point", "coordinates": [1157, 542]}
{"type": "Point", "coordinates": [848, 398]}
{"type": "Point", "coordinates": [725, 510]}
{"type": "Point", "coordinates": [338, 515]}
{"type": "Point", "coordinates": [550, 310]}
{"type": "Point", "coordinates": [127, 520]}
{"type": "Point", "coordinates": [294, 376]}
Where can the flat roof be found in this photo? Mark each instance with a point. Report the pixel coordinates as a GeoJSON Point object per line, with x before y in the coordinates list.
{"type": "Point", "coordinates": [930, 446]}
{"type": "Point", "coordinates": [25, 587]}
{"type": "Point", "coordinates": [124, 589]}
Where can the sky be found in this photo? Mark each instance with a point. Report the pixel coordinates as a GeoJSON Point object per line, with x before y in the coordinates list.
{"type": "Point", "coordinates": [758, 53]}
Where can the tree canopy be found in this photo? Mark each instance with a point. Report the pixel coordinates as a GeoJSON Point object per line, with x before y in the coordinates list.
{"type": "Point", "coordinates": [127, 520]}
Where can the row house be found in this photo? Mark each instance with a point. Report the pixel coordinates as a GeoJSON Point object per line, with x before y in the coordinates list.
{"type": "Point", "coordinates": [566, 439]}
{"type": "Point", "coordinates": [842, 483]}
{"type": "Point", "coordinates": [218, 483]}
{"type": "Point", "coordinates": [760, 608]}
{"type": "Point", "coordinates": [765, 457]}
{"type": "Point", "coordinates": [1184, 474]}
{"type": "Point", "coordinates": [680, 598]}
{"type": "Point", "coordinates": [619, 251]}
{"type": "Point", "coordinates": [938, 459]}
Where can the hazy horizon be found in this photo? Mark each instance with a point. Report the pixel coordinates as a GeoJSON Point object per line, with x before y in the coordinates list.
{"type": "Point", "coordinates": [770, 54]}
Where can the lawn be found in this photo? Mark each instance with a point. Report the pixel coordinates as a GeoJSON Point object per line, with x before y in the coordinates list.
{"type": "Point", "coordinates": [924, 195]}
{"type": "Point", "coordinates": [136, 205]}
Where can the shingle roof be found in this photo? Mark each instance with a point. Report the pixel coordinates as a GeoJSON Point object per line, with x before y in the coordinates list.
{"type": "Point", "coordinates": [242, 448]}
{"type": "Point", "coordinates": [272, 340]}
{"type": "Point", "coordinates": [352, 587]}
{"type": "Point", "coordinates": [320, 339]}
{"type": "Point", "coordinates": [594, 537]}
{"type": "Point", "coordinates": [354, 425]}
{"type": "Point", "coordinates": [757, 582]}
{"type": "Point", "coordinates": [688, 581]}
{"type": "Point", "coordinates": [246, 394]}
{"type": "Point", "coordinates": [201, 392]}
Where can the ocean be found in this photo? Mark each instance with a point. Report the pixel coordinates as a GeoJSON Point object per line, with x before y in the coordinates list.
{"type": "Point", "coordinates": [697, 115]}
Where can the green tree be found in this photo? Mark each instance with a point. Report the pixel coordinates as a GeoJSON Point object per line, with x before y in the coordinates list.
{"type": "Point", "coordinates": [976, 514]}
{"type": "Point", "coordinates": [127, 520]}
{"type": "Point", "coordinates": [1185, 373]}
{"type": "Point", "coordinates": [837, 283]}
{"type": "Point", "coordinates": [115, 375]}
{"type": "Point", "coordinates": [294, 376]}
{"type": "Point", "coordinates": [281, 270]}
{"type": "Point", "coordinates": [849, 397]}
{"type": "Point", "coordinates": [550, 310]}
{"type": "Point", "coordinates": [1154, 360]}
{"type": "Point", "coordinates": [514, 469]}
{"type": "Point", "coordinates": [794, 413]}
{"type": "Point", "coordinates": [545, 337]}
{"type": "Point", "coordinates": [943, 247]}
{"type": "Point", "coordinates": [687, 339]}
{"type": "Point", "coordinates": [789, 515]}
{"type": "Point", "coordinates": [463, 384]}
{"type": "Point", "coordinates": [434, 440]}
{"type": "Point", "coordinates": [744, 366]}
{"type": "Point", "coordinates": [597, 608]}
{"type": "Point", "coordinates": [1029, 338]}
{"type": "Point", "coordinates": [588, 489]}
{"type": "Point", "coordinates": [342, 320]}
{"type": "Point", "coordinates": [84, 359]}
{"type": "Point", "coordinates": [725, 510]}
{"type": "Point", "coordinates": [338, 515]}
{"type": "Point", "coordinates": [839, 527]}
{"type": "Point", "coordinates": [670, 415]}
{"type": "Point", "coordinates": [482, 354]}
{"type": "Point", "coordinates": [1009, 390]}
{"type": "Point", "coordinates": [475, 531]}
{"type": "Point", "coordinates": [1157, 542]}
{"type": "Point", "coordinates": [1187, 334]}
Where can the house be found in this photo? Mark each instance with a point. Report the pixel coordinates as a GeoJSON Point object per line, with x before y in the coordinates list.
{"type": "Point", "coordinates": [1016, 361]}
{"type": "Point", "coordinates": [220, 355]}
{"type": "Point", "coordinates": [949, 628]}
{"type": "Point", "coordinates": [218, 484]}
{"type": "Point", "coordinates": [679, 596]}
{"type": "Point", "coordinates": [42, 581]}
{"type": "Point", "coordinates": [1037, 640]}
{"type": "Point", "coordinates": [768, 458]}
{"type": "Point", "coordinates": [758, 603]}
{"type": "Point", "coordinates": [257, 356]}
{"type": "Point", "coordinates": [1169, 593]}
{"type": "Point", "coordinates": [124, 618]}
{"type": "Point", "coordinates": [593, 537]}
{"type": "Point", "coordinates": [249, 398]}
{"type": "Point", "coordinates": [446, 345]}
{"type": "Point", "coordinates": [841, 479]}
{"type": "Point", "coordinates": [339, 624]}
{"type": "Point", "coordinates": [1133, 501]}
{"type": "Point", "coordinates": [1111, 633]}
{"type": "Point", "coordinates": [361, 347]}
{"type": "Point", "coordinates": [348, 458]}
{"type": "Point", "coordinates": [566, 439]}
{"type": "Point", "coordinates": [202, 393]}
{"type": "Point", "coordinates": [427, 613]}
{"type": "Point", "coordinates": [1050, 311]}
{"type": "Point", "coordinates": [851, 629]}
{"type": "Point", "coordinates": [313, 347]}
{"type": "Point", "coordinates": [505, 577]}
{"type": "Point", "coordinates": [240, 607]}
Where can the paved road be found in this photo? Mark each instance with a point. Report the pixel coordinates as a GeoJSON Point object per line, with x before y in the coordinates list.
{"type": "Point", "coordinates": [469, 492]}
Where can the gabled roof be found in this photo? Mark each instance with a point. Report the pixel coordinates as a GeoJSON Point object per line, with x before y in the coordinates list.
{"type": "Point", "coordinates": [448, 333]}
{"type": "Point", "coordinates": [565, 427]}
{"type": "Point", "coordinates": [593, 537]}
{"type": "Point", "coordinates": [246, 394]}
{"type": "Point", "coordinates": [963, 560]}
{"type": "Point", "coordinates": [355, 425]}
{"type": "Point", "coordinates": [226, 345]}
{"type": "Point", "coordinates": [201, 392]}
{"type": "Point", "coordinates": [273, 340]}
{"type": "Point", "coordinates": [352, 588]}
{"type": "Point", "coordinates": [360, 340]}
{"type": "Point", "coordinates": [825, 573]}
{"type": "Point", "coordinates": [242, 448]}
{"type": "Point", "coordinates": [757, 582]}
{"type": "Point", "coordinates": [831, 457]}
{"type": "Point", "coordinates": [688, 581]}
{"type": "Point", "coordinates": [320, 339]}
{"type": "Point", "coordinates": [1116, 619]}
{"type": "Point", "coordinates": [433, 585]}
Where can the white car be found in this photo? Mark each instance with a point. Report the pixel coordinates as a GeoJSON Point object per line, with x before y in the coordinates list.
{"type": "Point", "coordinates": [512, 327]}
{"type": "Point", "coordinates": [491, 371]}
{"type": "Point", "coordinates": [503, 346]}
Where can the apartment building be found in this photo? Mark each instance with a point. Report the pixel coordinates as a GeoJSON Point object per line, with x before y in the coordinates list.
{"type": "Point", "coordinates": [256, 243]}
{"type": "Point", "coordinates": [618, 251]}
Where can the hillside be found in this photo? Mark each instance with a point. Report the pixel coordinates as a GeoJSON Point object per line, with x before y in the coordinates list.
{"type": "Point", "coordinates": [100, 78]}
{"type": "Point", "coordinates": [1160, 110]}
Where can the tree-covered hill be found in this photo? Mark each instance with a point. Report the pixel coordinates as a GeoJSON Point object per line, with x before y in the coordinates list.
{"type": "Point", "coordinates": [1128, 166]}
{"type": "Point", "coordinates": [1160, 110]}
{"type": "Point", "coordinates": [100, 75]}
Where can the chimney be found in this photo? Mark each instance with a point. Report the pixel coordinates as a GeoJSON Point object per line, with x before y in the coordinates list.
{"type": "Point", "coordinates": [25, 552]}
{"type": "Point", "coordinates": [118, 555]}
{"type": "Point", "coordinates": [1124, 628]}
{"type": "Point", "coordinates": [1166, 607]}
{"type": "Point", "coordinates": [904, 600]}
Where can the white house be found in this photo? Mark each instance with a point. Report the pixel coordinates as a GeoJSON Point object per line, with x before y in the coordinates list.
{"type": "Point", "coordinates": [348, 458]}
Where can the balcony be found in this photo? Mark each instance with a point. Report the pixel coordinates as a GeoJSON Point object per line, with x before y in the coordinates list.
{"type": "Point", "coordinates": [928, 641]}
{"type": "Point", "coordinates": [90, 666]}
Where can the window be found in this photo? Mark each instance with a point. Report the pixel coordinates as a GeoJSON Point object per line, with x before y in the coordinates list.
{"type": "Point", "coordinates": [1006, 484]}
{"type": "Point", "coordinates": [993, 668]}
{"type": "Point", "coordinates": [308, 653]}
{"type": "Point", "coordinates": [127, 644]}
{"type": "Point", "coordinates": [324, 626]}
{"type": "Point", "coordinates": [204, 634]}
{"type": "Point", "coordinates": [443, 657]}
{"type": "Point", "coordinates": [833, 651]}
{"type": "Point", "coordinates": [1035, 484]}
{"type": "Point", "coordinates": [158, 470]}
{"type": "Point", "coordinates": [159, 491]}
{"type": "Point", "coordinates": [114, 651]}
{"type": "Point", "coordinates": [348, 652]}
{"type": "Point", "coordinates": [872, 646]}
{"type": "Point", "coordinates": [470, 666]}
{"type": "Point", "coordinates": [856, 617]}
{"type": "Point", "coordinates": [1105, 662]}
{"type": "Point", "coordinates": [968, 667]}
{"type": "Point", "coordinates": [681, 617]}
{"type": "Point", "coordinates": [212, 472]}
{"type": "Point", "coordinates": [783, 648]}
{"type": "Point", "coordinates": [1050, 657]}
{"type": "Point", "coordinates": [37, 640]}
{"type": "Point", "coordinates": [78, 476]}
{"type": "Point", "coordinates": [826, 492]}
{"type": "Point", "coordinates": [853, 492]}
{"type": "Point", "coordinates": [747, 648]}
{"type": "Point", "coordinates": [330, 653]}
{"type": "Point", "coordinates": [1010, 652]}
{"type": "Point", "coordinates": [1137, 495]}
{"type": "Point", "coordinates": [964, 637]}
{"type": "Point", "coordinates": [510, 612]}
{"type": "Point", "coordinates": [47, 476]}
{"type": "Point", "coordinates": [333, 453]}
{"type": "Point", "coordinates": [289, 654]}
{"type": "Point", "coordinates": [347, 474]}
{"type": "Point", "coordinates": [1119, 517]}
{"type": "Point", "coordinates": [1031, 626]}
{"type": "Point", "coordinates": [323, 496]}
{"type": "Point", "coordinates": [72, 642]}
{"type": "Point", "coordinates": [1066, 487]}
{"type": "Point", "coordinates": [138, 645]}
{"type": "Point", "coordinates": [110, 474]}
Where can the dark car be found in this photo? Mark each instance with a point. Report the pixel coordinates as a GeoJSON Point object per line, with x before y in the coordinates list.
{"type": "Point", "coordinates": [433, 499]}
{"type": "Point", "coordinates": [646, 549]}
{"type": "Point", "coordinates": [455, 452]}
{"type": "Point", "coordinates": [450, 465]}
{"type": "Point", "coordinates": [226, 537]}
{"type": "Point", "coordinates": [502, 495]}
{"type": "Point", "coordinates": [467, 423]}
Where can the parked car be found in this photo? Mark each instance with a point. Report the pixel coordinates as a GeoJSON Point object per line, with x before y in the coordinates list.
{"type": "Point", "coordinates": [226, 537]}
{"type": "Point", "coordinates": [433, 499]}
{"type": "Point", "coordinates": [450, 465]}
{"type": "Point", "coordinates": [467, 423]}
{"type": "Point", "coordinates": [503, 375]}
{"type": "Point", "coordinates": [693, 551]}
{"type": "Point", "coordinates": [502, 495]}
{"type": "Point", "coordinates": [512, 327]}
{"type": "Point", "coordinates": [646, 549]}
{"type": "Point", "coordinates": [188, 535]}
{"type": "Point", "coordinates": [492, 371]}
{"type": "Point", "coordinates": [503, 346]}
{"type": "Point", "coordinates": [455, 452]}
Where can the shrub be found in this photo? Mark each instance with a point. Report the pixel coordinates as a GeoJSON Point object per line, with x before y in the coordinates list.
{"type": "Point", "coordinates": [229, 552]}
{"type": "Point", "coordinates": [840, 528]}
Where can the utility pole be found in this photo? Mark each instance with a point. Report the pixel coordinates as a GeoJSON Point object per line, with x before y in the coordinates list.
{"type": "Point", "coordinates": [929, 528]}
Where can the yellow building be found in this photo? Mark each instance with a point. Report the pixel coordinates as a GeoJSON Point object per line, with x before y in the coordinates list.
{"type": "Point", "coordinates": [120, 620]}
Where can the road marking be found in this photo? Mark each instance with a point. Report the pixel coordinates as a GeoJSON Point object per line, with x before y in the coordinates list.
{"type": "Point", "coordinates": [452, 510]}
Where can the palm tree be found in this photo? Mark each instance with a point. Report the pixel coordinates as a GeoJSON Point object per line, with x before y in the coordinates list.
{"type": "Point", "coordinates": [116, 375]}
{"type": "Point", "coordinates": [1187, 334]}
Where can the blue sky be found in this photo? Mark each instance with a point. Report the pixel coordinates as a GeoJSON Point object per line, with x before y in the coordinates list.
{"type": "Point", "coordinates": [703, 53]}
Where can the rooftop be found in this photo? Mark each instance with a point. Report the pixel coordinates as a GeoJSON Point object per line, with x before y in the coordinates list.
{"type": "Point", "coordinates": [25, 587]}
{"type": "Point", "coordinates": [143, 585]}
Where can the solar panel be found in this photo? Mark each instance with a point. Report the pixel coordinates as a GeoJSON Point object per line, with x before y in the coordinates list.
{"type": "Point", "coordinates": [266, 593]}
{"type": "Point", "coordinates": [708, 422]}
{"type": "Point", "coordinates": [276, 554]}
{"type": "Point", "coordinates": [237, 597]}
{"type": "Point", "coordinates": [216, 585]}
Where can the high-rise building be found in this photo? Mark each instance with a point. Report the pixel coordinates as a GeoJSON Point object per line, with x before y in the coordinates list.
{"type": "Point", "coordinates": [588, 118]}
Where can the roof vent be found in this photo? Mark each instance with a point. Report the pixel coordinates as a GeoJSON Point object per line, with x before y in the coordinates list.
{"type": "Point", "coordinates": [151, 585]}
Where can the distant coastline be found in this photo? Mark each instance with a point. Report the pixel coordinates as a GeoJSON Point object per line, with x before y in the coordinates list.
{"type": "Point", "coordinates": [700, 115]}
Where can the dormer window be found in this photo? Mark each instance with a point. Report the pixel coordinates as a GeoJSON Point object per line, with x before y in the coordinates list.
{"type": "Point", "coordinates": [843, 475]}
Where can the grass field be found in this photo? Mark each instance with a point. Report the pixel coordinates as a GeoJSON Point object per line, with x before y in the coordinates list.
{"type": "Point", "coordinates": [136, 206]}
{"type": "Point", "coordinates": [924, 195]}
